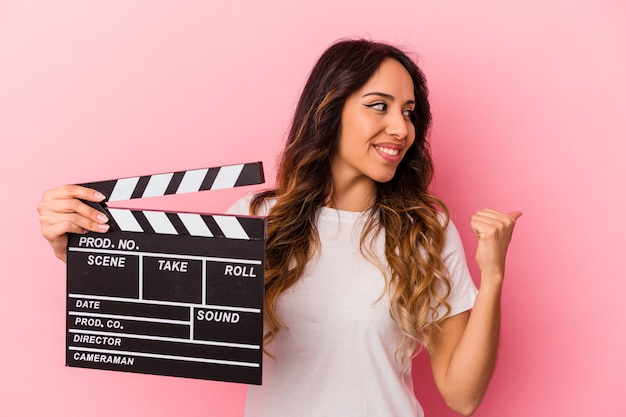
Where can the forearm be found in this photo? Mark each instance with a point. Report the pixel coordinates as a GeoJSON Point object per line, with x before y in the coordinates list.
{"type": "Point", "coordinates": [464, 349]}
{"type": "Point", "coordinates": [474, 357]}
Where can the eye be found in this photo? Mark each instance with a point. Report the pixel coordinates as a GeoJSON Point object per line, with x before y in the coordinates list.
{"type": "Point", "coordinates": [380, 106]}
{"type": "Point", "coordinates": [409, 114]}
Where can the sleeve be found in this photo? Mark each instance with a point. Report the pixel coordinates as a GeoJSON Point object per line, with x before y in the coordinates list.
{"type": "Point", "coordinates": [463, 293]}
{"type": "Point", "coordinates": [241, 206]}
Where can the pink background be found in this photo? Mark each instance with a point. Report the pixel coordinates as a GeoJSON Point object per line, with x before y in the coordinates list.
{"type": "Point", "coordinates": [529, 113]}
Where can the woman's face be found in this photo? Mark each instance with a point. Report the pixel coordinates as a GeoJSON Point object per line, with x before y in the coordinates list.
{"type": "Point", "coordinates": [376, 129]}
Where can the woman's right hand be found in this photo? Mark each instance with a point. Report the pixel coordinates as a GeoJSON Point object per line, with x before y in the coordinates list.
{"type": "Point", "coordinates": [61, 212]}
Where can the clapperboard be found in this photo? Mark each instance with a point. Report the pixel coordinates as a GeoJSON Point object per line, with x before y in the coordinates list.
{"type": "Point", "coordinates": [169, 293]}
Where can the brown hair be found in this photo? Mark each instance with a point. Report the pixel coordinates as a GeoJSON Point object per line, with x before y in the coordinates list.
{"type": "Point", "coordinates": [404, 209]}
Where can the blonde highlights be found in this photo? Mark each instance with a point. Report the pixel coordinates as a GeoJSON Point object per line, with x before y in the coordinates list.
{"type": "Point", "coordinates": [418, 283]}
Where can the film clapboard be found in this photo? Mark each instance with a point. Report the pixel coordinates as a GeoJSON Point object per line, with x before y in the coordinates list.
{"type": "Point", "coordinates": [169, 293]}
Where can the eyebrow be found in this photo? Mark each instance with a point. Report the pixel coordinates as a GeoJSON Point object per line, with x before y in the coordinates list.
{"type": "Point", "coordinates": [387, 96]}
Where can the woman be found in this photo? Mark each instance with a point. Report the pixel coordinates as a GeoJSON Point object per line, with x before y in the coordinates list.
{"type": "Point", "coordinates": [362, 263]}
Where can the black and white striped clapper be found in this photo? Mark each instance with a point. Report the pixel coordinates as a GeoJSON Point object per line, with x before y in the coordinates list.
{"type": "Point", "coordinates": [169, 293]}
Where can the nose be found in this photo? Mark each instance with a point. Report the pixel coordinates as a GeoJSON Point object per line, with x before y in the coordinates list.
{"type": "Point", "coordinates": [398, 125]}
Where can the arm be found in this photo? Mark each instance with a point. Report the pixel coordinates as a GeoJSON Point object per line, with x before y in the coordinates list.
{"type": "Point", "coordinates": [463, 350]}
{"type": "Point", "coordinates": [61, 212]}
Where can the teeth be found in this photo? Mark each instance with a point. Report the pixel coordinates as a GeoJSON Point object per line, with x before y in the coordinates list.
{"type": "Point", "coordinates": [389, 151]}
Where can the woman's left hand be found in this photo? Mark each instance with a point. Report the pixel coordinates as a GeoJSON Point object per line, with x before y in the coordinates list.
{"type": "Point", "coordinates": [493, 230]}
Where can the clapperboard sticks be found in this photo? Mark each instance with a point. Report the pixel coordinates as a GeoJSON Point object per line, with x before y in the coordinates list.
{"type": "Point", "coordinates": [169, 293]}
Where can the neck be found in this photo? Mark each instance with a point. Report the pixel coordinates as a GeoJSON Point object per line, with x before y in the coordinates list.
{"type": "Point", "coordinates": [358, 196]}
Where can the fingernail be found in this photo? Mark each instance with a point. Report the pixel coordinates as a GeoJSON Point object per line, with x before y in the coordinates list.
{"type": "Point", "coordinates": [102, 218]}
{"type": "Point", "coordinates": [103, 227]}
{"type": "Point", "coordinates": [99, 196]}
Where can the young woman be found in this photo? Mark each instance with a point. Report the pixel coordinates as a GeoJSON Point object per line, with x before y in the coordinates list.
{"type": "Point", "coordinates": [363, 265]}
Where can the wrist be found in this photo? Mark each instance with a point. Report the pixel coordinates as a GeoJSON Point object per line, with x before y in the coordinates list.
{"type": "Point", "coordinates": [492, 281]}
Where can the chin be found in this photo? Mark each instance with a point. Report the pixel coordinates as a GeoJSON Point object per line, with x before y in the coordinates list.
{"type": "Point", "coordinates": [383, 178]}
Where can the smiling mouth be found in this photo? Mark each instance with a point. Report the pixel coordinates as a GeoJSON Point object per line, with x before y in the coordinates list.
{"type": "Point", "coordinates": [388, 151]}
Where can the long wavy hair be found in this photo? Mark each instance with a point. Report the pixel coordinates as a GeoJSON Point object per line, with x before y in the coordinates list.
{"type": "Point", "coordinates": [412, 219]}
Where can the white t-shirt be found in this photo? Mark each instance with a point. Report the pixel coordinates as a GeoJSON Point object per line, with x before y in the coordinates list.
{"type": "Point", "coordinates": [337, 356]}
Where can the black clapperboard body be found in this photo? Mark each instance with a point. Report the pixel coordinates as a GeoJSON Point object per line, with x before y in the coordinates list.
{"type": "Point", "coordinates": [169, 293]}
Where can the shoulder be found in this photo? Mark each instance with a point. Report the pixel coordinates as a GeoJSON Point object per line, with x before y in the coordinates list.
{"type": "Point", "coordinates": [242, 206]}
{"type": "Point", "coordinates": [452, 239]}
{"type": "Point", "coordinates": [453, 245]}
